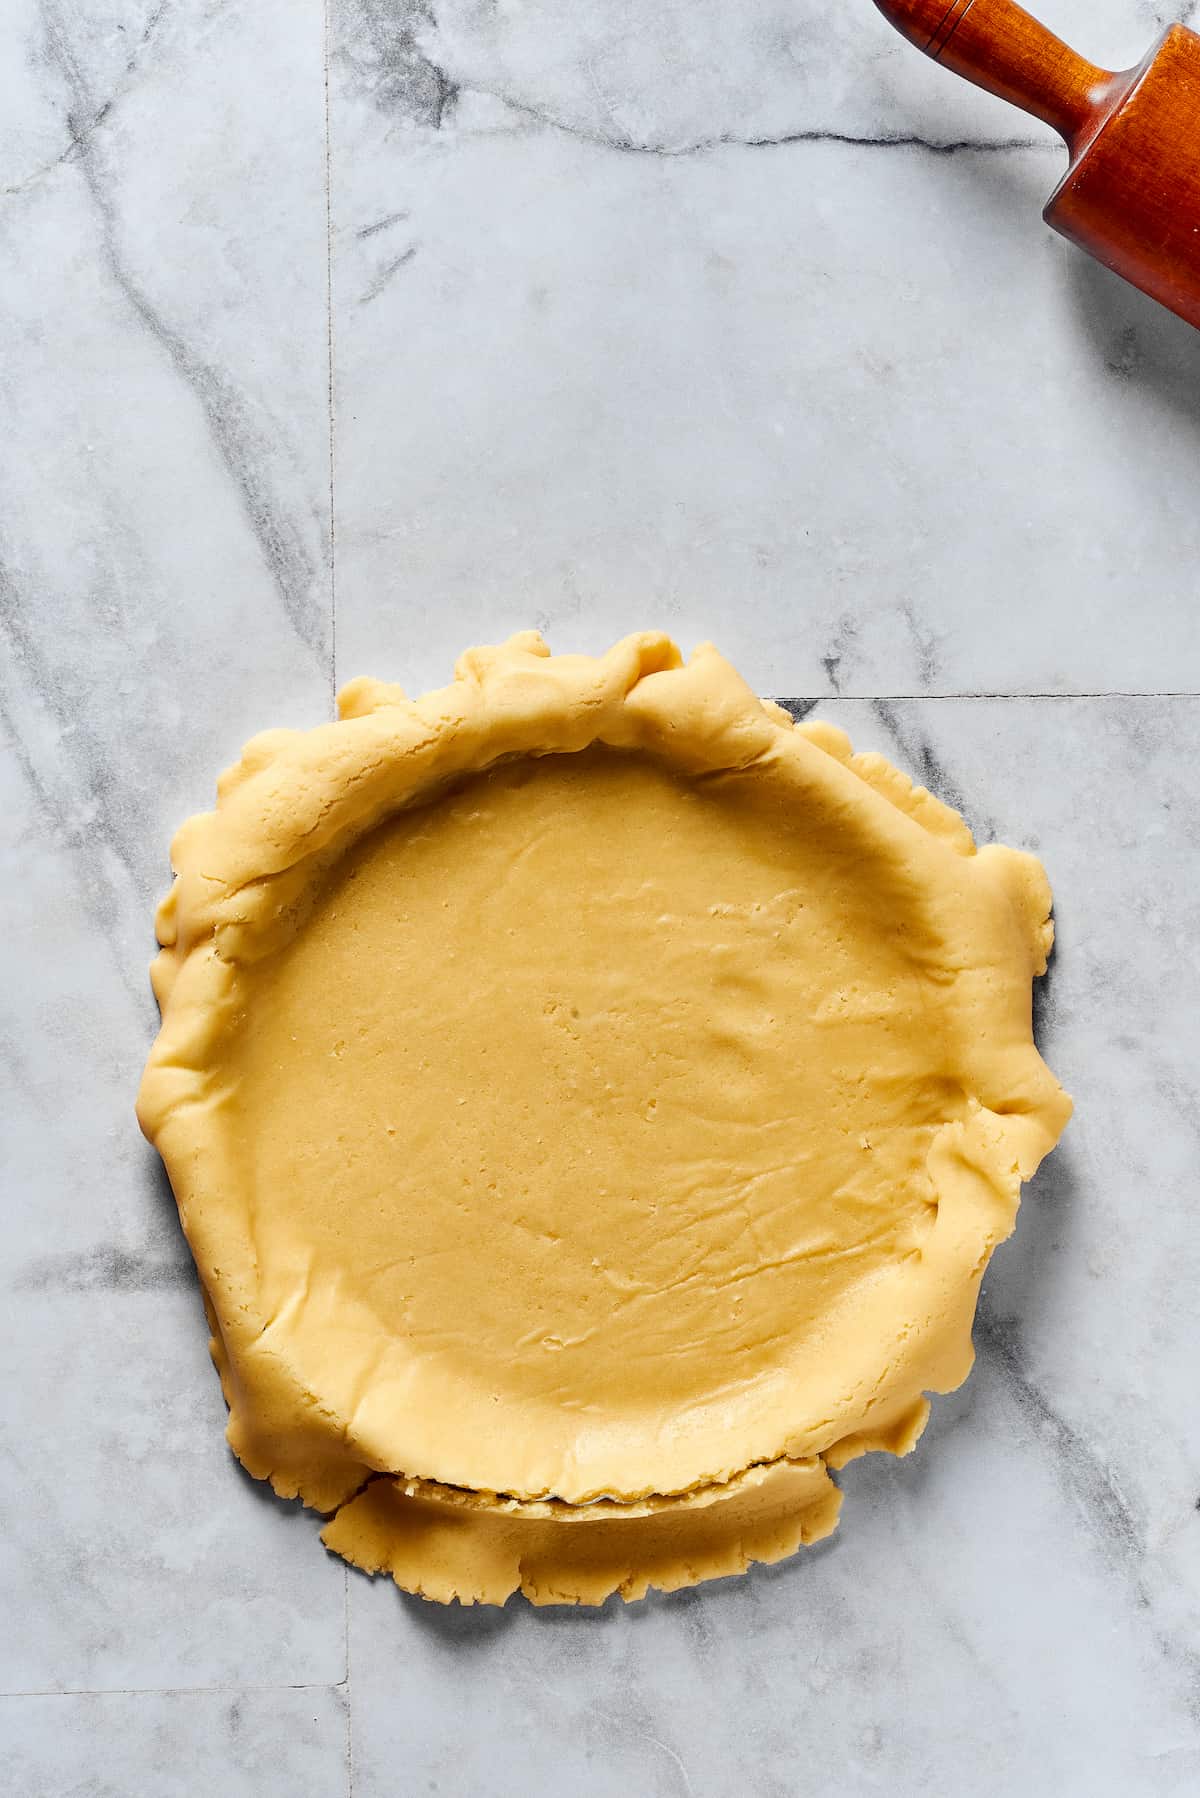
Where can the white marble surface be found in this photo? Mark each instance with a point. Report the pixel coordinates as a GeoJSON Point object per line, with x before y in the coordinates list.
{"type": "Point", "coordinates": [332, 344]}
{"type": "Point", "coordinates": [242, 1744]}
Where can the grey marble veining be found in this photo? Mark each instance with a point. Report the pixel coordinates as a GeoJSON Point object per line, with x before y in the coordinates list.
{"type": "Point", "coordinates": [675, 78]}
{"type": "Point", "coordinates": [337, 338]}
{"type": "Point", "coordinates": [164, 575]}
{"type": "Point", "coordinates": [1017, 1607]}
{"type": "Point", "coordinates": [769, 379]}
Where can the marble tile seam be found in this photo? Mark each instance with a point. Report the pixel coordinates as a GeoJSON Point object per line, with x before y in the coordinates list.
{"type": "Point", "coordinates": [345, 1687]}
{"type": "Point", "coordinates": [327, 27]}
{"type": "Point", "coordinates": [807, 699]}
{"type": "Point", "coordinates": [235, 1686]}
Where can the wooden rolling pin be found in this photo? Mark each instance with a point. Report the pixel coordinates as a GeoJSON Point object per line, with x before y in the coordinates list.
{"type": "Point", "coordinates": [1131, 196]}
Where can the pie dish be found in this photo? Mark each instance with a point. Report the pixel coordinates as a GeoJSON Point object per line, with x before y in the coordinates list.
{"type": "Point", "coordinates": [592, 1101]}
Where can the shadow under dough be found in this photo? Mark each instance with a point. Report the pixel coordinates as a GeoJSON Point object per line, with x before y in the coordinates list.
{"type": "Point", "coordinates": [1014, 1291]}
{"type": "Point", "coordinates": [459, 1626]}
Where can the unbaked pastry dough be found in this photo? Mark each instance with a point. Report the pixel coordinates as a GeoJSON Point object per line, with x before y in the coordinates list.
{"type": "Point", "coordinates": [592, 1102]}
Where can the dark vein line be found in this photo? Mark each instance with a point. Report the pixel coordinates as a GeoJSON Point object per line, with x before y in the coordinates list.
{"type": "Point", "coordinates": [1090, 1482]}
{"type": "Point", "coordinates": [381, 279]}
{"type": "Point", "coordinates": [100, 900]}
{"type": "Point", "coordinates": [238, 443]}
{"type": "Point", "coordinates": [390, 218]}
{"type": "Point", "coordinates": [79, 136]}
{"type": "Point", "coordinates": [731, 140]}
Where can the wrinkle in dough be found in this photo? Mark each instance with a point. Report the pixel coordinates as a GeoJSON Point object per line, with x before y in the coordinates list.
{"type": "Point", "coordinates": [584, 1086]}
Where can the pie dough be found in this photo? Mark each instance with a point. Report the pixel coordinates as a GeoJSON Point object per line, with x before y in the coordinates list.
{"type": "Point", "coordinates": [592, 1102]}
{"type": "Point", "coordinates": [445, 1543]}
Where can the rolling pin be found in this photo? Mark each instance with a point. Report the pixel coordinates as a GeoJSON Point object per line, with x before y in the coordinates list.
{"type": "Point", "coordinates": [1131, 196]}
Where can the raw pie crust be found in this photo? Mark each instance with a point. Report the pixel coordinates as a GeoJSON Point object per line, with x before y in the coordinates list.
{"type": "Point", "coordinates": [592, 1102]}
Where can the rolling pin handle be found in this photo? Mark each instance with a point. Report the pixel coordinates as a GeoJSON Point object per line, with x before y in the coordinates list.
{"type": "Point", "coordinates": [1001, 48]}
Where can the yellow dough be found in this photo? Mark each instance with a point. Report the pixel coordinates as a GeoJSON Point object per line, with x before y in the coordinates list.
{"type": "Point", "coordinates": [582, 1086]}
{"type": "Point", "coordinates": [446, 1543]}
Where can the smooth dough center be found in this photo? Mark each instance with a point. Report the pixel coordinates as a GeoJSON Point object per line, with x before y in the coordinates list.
{"type": "Point", "coordinates": [601, 1087]}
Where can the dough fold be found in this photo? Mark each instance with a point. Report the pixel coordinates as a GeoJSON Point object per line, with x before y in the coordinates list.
{"type": "Point", "coordinates": [592, 1103]}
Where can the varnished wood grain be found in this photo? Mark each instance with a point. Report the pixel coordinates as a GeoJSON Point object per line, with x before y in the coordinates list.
{"type": "Point", "coordinates": [1131, 196]}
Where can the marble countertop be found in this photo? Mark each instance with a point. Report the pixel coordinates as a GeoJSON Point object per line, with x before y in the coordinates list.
{"type": "Point", "coordinates": [334, 343]}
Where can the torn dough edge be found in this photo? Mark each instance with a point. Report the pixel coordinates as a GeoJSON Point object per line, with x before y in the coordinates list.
{"type": "Point", "coordinates": [297, 801]}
